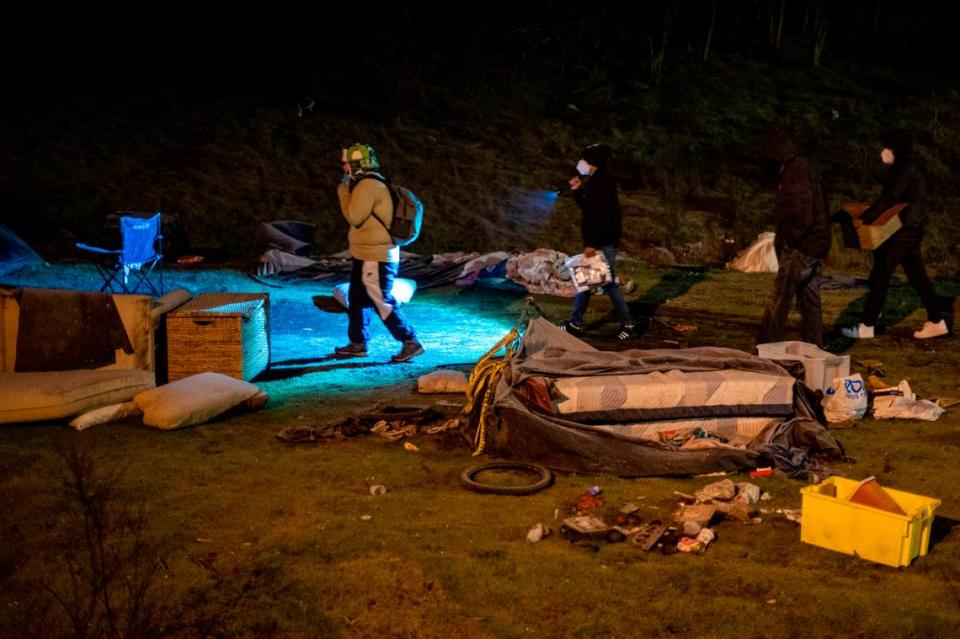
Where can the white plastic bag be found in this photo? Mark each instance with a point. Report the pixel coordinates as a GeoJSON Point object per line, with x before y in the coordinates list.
{"type": "Point", "coordinates": [845, 400]}
{"type": "Point", "coordinates": [402, 291]}
{"type": "Point", "coordinates": [759, 257]}
{"type": "Point", "coordinates": [589, 272]}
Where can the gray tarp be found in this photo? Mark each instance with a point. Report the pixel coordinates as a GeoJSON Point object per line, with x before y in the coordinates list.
{"type": "Point", "coordinates": [519, 432]}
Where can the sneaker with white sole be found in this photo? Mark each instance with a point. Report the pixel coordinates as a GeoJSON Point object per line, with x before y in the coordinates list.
{"type": "Point", "coordinates": [931, 330]}
{"type": "Point", "coordinates": [860, 331]}
{"type": "Point", "coordinates": [411, 348]}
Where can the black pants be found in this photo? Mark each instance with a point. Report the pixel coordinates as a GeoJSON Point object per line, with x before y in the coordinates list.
{"type": "Point", "coordinates": [798, 277]}
{"type": "Point", "coordinates": [370, 286]}
{"type": "Point", "coordinates": [905, 252]}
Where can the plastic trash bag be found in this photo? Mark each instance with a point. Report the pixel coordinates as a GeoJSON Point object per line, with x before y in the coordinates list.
{"type": "Point", "coordinates": [589, 273]}
{"type": "Point", "coordinates": [402, 291]}
{"type": "Point", "coordinates": [845, 400]}
{"type": "Point", "coordinates": [759, 257]}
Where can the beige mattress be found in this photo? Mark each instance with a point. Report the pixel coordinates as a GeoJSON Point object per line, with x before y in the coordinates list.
{"type": "Point", "coordinates": [30, 397]}
{"type": "Point", "coordinates": [673, 395]}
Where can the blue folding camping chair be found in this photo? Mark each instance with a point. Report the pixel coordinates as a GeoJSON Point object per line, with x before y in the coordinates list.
{"type": "Point", "coordinates": [131, 266]}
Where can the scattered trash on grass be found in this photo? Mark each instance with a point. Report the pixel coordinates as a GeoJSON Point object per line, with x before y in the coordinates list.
{"type": "Point", "coordinates": [390, 422]}
{"type": "Point", "coordinates": [587, 527]}
{"type": "Point", "coordinates": [722, 490]}
{"type": "Point", "coordinates": [378, 489]}
{"type": "Point", "coordinates": [442, 427]}
{"type": "Point", "coordinates": [411, 447]}
{"type": "Point", "coordinates": [900, 402]}
{"type": "Point", "coordinates": [587, 501]}
{"type": "Point", "coordinates": [946, 402]}
{"type": "Point", "coordinates": [538, 532]}
{"type": "Point", "coordinates": [696, 545]}
{"type": "Point", "coordinates": [790, 514]}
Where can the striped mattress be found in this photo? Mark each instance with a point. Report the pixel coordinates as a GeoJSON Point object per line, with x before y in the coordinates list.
{"type": "Point", "coordinates": [673, 395]}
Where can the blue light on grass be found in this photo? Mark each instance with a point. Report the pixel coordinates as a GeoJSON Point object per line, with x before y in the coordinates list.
{"type": "Point", "coordinates": [454, 327]}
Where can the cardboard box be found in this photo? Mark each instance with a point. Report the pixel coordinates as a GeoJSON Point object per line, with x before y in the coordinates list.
{"type": "Point", "coordinates": [871, 236]}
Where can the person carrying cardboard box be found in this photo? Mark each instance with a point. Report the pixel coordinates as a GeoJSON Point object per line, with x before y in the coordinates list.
{"type": "Point", "coordinates": [905, 182]}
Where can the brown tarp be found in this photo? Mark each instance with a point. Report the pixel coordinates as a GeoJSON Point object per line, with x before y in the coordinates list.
{"type": "Point", "coordinates": [517, 431]}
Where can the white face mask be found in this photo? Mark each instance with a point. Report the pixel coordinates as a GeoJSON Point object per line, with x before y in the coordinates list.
{"type": "Point", "coordinates": [886, 156]}
{"type": "Point", "coordinates": [583, 168]}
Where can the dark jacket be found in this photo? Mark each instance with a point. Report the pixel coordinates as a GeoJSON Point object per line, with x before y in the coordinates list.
{"type": "Point", "coordinates": [906, 181]}
{"type": "Point", "coordinates": [600, 223]}
{"type": "Point", "coordinates": [801, 212]}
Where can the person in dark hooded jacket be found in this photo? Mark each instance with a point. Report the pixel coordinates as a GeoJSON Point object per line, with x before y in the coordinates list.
{"type": "Point", "coordinates": [905, 182]}
{"type": "Point", "coordinates": [595, 190]}
{"type": "Point", "coordinates": [801, 215]}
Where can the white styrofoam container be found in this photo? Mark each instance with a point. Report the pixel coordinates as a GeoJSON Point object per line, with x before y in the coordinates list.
{"type": "Point", "coordinates": [820, 367]}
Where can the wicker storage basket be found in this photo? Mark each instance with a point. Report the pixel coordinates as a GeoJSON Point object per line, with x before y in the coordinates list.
{"type": "Point", "coordinates": [221, 332]}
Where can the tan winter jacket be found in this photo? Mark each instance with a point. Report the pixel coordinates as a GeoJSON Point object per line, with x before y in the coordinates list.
{"type": "Point", "coordinates": [369, 239]}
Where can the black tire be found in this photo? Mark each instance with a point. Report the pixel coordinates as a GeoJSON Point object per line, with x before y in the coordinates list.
{"type": "Point", "coordinates": [545, 478]}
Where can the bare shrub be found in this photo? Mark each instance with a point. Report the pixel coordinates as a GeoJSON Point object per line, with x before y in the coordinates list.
{"type": "Point", "coordinates": [98, 575]}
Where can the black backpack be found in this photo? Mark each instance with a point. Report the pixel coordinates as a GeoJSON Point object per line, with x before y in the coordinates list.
{"type": "Point", "coordinates": [407, 219]}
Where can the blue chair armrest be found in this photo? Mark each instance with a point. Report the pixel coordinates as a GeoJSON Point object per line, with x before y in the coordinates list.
{"type": "Point", "coordinates": [95, 249]}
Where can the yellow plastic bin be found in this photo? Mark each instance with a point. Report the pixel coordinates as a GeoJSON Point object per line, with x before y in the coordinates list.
{"type": "Point", "coordinates": [833, 522]}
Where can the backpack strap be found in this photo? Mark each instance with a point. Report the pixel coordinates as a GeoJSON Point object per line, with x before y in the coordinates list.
{"type": "Point", "coordinates": [393, 196]}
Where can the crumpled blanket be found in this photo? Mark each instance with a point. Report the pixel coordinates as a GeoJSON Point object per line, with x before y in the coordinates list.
{"type": "Point", "coordinates": [795, 463]}
{"type": "Point", "coordinates": [543, 272]}
{"type": "Point", "coordinates": [388, 421]}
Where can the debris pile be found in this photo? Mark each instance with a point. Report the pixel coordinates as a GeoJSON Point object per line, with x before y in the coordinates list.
{"type": "Point", "coordinates": [690, 528]}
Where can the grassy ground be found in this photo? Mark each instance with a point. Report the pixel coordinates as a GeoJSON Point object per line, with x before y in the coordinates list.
{"type": "Point", "coordinates": [250, 537]}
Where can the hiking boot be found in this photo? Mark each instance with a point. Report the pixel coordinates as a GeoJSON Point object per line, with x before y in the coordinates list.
{"type": "Point", "coordinates": [627, 331]}
{"type": "Point", "coordinates": [411, 348]}
{"type": "Point", "coordinates": [353, 349]}
{"type": "Point", "coordinates": [571, 327]}
{"type": "Point", "coordinates": [860, 331]}
{"type": "Point", "coordinates": [930, 330]}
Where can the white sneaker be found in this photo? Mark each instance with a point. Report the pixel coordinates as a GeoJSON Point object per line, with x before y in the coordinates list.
{"type": "Point", "coordinates": [860, 331]}
{"type": "Point", "coordinates": [931, 330]}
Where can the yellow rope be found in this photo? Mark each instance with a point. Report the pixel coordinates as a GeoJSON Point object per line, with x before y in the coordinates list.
{"type": "Point", "coordinates": [480, 386]}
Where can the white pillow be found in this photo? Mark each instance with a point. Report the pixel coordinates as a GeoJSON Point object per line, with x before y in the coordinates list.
{"type": "Point", "coordinates": [442, 381]}
{"type": "Point", "coordinates": [106, 414]}
{"type": "Point", "coordinates": [192, 400]}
